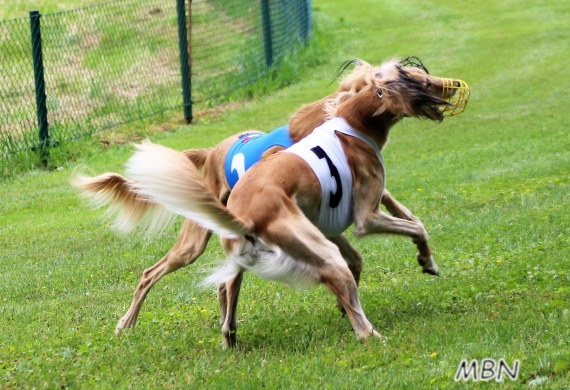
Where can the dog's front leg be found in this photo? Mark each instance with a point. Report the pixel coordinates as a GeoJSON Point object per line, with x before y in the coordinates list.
{"type": "Point", "coordinates": [398, 210]}
{"type": "Point", "coordinates": [380, 222]}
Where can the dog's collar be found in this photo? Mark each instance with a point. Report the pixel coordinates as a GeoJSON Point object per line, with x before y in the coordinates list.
{"type": "Point", "coordinates": [340, 124]}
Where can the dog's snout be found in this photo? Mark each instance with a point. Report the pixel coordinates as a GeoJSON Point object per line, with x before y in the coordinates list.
{"type": "Point", "coordinates": [448, 93]}
{"type": "Point", "coordinates": [457, 93]}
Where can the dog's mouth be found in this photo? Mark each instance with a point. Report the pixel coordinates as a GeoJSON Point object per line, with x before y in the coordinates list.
{"type": "Point", "coordinates": [457, 93]}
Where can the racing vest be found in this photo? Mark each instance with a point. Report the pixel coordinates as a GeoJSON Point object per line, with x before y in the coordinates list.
{"type": "Point", "coordinates": [248, 150]}
{"type": "Point", "coordinates": [323, 151]}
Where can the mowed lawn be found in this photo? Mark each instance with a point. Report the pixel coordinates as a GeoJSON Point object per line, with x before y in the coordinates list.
{"type": "Point", "coordinates": [492, 187]}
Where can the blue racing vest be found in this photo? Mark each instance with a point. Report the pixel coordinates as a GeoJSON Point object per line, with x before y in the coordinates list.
{"type": "Point", "coordinates": [248, 150]}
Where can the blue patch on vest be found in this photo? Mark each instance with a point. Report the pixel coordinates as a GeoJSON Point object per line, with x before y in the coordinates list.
{"type": "Point", "coordinates": [248, 150]}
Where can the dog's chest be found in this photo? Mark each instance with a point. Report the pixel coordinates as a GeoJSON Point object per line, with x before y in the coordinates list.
{"type": "Point", "coordinates": [323, 152]}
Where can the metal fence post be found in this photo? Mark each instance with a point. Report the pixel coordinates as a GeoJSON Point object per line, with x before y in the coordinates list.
{"type": "Point", "coordinates": [185, 66]}
{"type": "Point", "coordinates": [41, 108]}
{"type": "Point", "coordinates": [266, 21]}
{"type": "Point", "coordinates": [306, 20]}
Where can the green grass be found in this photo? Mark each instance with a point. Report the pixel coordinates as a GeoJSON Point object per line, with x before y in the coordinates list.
{"type": "Point", "coordinates": [491, 185]}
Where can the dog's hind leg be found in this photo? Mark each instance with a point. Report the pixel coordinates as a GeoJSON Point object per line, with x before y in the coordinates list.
{"type": "Point", "coordinates": [338, 278]}
{"type": "Point", "coordinates": [191, 244]}
{"type": "Point", "coordinates": [398, 210]}
{"type": "Point", "coordinates": [223, 302]}
{"type": "Point", "coordinates": [342, 284]}
{"type": "Point", "coordinates": [353, 260]}
{"type": "Point", "coordinates": [321, 260]}
{"type": "Point", "coordinates": [350, 255]}
{"type": "Point", "coordinates": [230, 290]}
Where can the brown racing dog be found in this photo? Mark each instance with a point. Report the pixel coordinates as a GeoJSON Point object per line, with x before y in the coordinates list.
{"type": "Point", "coordinates": [117, 191]}
{"type": "Point", "coordinates": [268, 226]}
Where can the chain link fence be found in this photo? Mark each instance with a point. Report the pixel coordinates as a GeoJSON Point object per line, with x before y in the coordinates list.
{"type": "Point", "coordinates": [67, 75]}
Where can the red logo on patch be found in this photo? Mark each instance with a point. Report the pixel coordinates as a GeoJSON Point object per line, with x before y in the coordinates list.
{"type": "Point", "coordinates": [249, 137]}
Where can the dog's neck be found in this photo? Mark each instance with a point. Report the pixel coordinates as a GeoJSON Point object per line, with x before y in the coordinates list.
{"type": "Point", "coordinates": [341, 125]}
{"type": "Point", "coordinates": [307, 119]}
{"type": "Point", "coordinates": [370, 114]}
{"type": "Point", "coordinates": [311, 116]}
{"type": "Point", "coordinates": [375, 127]}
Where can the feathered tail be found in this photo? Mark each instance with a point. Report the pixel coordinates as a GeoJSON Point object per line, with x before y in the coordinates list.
{"type": "Point", "coordinates": [168, 178]}
{"type": "Point", "coordinates": [132, 208]}
{"type": "Point", "coordinates": [119, 194]}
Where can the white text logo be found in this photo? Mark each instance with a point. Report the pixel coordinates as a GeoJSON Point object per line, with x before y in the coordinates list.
{"type": "Point", "coordinates": [487, 370]}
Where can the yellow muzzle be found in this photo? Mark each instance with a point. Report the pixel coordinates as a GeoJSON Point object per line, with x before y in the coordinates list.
{"type": "Point", "coordinates": [457, 93]}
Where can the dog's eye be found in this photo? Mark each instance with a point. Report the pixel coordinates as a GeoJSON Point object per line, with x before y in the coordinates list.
{"type": "Point", "coordinates": [379, 93]}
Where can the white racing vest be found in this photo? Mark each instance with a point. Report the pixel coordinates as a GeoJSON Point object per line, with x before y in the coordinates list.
{"type": "Point", "coordinates": [323, 152]}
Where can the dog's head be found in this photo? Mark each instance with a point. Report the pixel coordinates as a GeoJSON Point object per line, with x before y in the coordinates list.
{"type": "Point", "coordinates": [394, 91]}
{"type": "Point", "coordinates": [454, 91]}
{"type": "Point", "coordinates": [408, 73]}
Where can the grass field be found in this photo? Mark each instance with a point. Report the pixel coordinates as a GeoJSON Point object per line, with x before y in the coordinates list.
{"type": "Point", "coordinates": [491, 185]}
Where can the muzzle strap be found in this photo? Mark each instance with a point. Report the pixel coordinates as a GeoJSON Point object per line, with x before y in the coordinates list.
{"type": "Point", "coordinates": [415, 62]}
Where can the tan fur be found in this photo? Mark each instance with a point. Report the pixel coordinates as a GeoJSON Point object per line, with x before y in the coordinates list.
{"type": "Point", "coordinates": [118, 192]}
{"type": "Point", "coordinates": [186, 188]}
{"type": "Point", "coordinates": [309, 117]}
{"type": "Point", "coordinates": [272, 205]}
{"type": "Point", "coordinates": [197, 156]}
{"type": "Point", "coordinates": [193, 238]}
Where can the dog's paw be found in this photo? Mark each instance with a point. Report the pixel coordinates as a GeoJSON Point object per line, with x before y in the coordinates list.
{"type": "Point", "coordinates": [374, 334]}
{"type": "Point", "coordinates": [429, 265]}
{"type": "Point", "coordinates": [379, 337]}
{"type": "Point", "coordinates": [123, 324]}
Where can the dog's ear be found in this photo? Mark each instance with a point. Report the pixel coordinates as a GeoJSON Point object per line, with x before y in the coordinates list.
{"type": "Point", "coordinates": [386, 72]}
{"type": "Point", "coordinates": [403, 95]}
